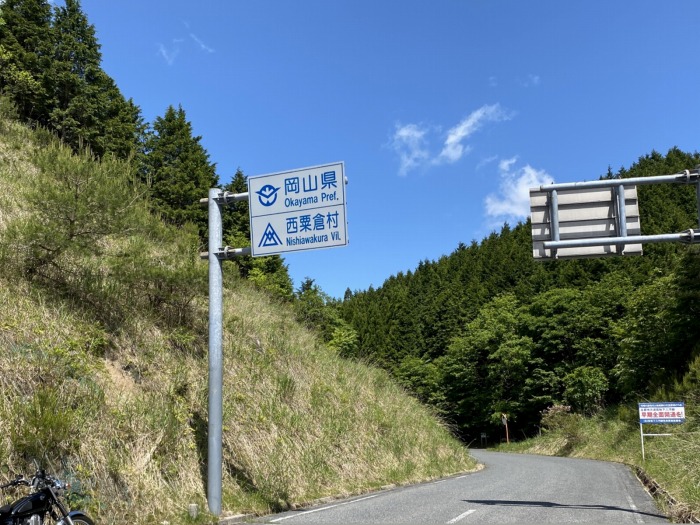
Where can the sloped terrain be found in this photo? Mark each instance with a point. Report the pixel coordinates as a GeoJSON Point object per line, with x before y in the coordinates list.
{"type": "Point", "coordinates": [103, 361]}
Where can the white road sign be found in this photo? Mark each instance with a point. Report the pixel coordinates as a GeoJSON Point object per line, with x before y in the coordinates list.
{"type": "Point", "coordinates": [664, 412]}
{"type": "Point", "coordinates": [298, 210]}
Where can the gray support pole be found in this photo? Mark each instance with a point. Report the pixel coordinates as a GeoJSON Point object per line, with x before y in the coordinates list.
{"type": "Point", "coordinates": [697, 192]}
{"type": "Point", "coordinates": [621, 216]}
{"type": "Point", "coordinates": [554, 219]}
{"type": "Point", "coordinates": [688, 236]}
{"type": "Point", "coordinates": [216, 306]}
{"type": "Point", "coordinates": [690, 177]}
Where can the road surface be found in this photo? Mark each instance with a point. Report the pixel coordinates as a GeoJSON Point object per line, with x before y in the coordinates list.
{"type": "Point", "coordinates": [512, 488]}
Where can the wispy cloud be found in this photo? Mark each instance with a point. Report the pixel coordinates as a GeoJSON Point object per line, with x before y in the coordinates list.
{"type": "Point", "coordinates": [169, 53]}
{"type": "Point", "coordinates": [411, 141]}
{"type": "Point", "coordinates": [512, 202]}
{"type": "Point", "coordinates": [454, 149]}
{"type": "Point", "coordinates": [410, 145]}
{"type": "Point", "coordinates": [201, 44]}
{"type": "Point", "coordinates": [530, 81]}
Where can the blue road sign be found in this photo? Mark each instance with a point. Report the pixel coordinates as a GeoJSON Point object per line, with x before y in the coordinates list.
{"type": "Point", "coordinates": [297, 210]}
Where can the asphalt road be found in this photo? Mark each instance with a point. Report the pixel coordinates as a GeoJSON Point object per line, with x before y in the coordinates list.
{"type": "Point", "coordinates": [512, 488]}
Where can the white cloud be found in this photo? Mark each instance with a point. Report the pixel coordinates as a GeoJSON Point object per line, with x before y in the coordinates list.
{"type": "Point", "coordinates": [169, 54]}
{"type": "Point", "coordinates": [201, 44]}
{"type": "Point", "coordinates": [531, 81]}
{"type": "Point", "coordinates": [486, 161]}
{"type": "Point", "coordinates": [410, 145]}
{"type": "Point", "coordinates": [411, 141]}
{"type": "Point", "coordinates": [513, 199]}
{"type": "Point", "coordinates": [454, 149]}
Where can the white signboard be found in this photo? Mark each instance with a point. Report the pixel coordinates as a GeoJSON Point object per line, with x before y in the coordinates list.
{"type": "Point", "coordinates": [298, 210]}
{"type": "Point", "coordinates": [659, 413]}
{"type": "Point", "coordinates": [583, 213]}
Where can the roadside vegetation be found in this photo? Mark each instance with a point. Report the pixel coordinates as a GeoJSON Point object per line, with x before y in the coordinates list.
{"type": "Point", "coordinates": [103, 321]}
{"type": "Point", "coordinates": [103, 361]}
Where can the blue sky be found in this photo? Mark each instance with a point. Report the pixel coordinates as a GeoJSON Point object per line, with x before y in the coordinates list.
{"type": "Point", "coordinates": [444, 112]}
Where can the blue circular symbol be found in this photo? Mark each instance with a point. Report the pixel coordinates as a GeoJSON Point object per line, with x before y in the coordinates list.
{"type": "Point", "coordinates": [267, 195]}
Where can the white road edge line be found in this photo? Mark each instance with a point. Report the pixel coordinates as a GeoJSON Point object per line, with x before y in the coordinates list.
{"type": "Point", "coordinates": [322, 509]}
{"type": "Point", "coordinates": [637, 517]}
{"type": "Point", "coordinates": [461, 516]}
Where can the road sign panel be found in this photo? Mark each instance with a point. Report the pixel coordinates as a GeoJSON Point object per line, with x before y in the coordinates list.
{"type": "Point", "coordinates": [665, 412]}
{"type": "Point", "coordinates": [298, 210]}
{"type": "Point", "coordinates": [583, 213]}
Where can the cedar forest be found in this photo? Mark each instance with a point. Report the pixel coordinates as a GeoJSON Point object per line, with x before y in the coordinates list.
{"type": "Point", "coordinates": [475, 334]}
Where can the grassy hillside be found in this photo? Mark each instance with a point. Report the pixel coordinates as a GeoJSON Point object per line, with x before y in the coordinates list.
{"type": "Point", "coordinates": [103, 361]}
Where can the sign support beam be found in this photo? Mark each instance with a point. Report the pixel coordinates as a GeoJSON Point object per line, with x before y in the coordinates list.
{"type": "Point", "coordinates": [598, 218]}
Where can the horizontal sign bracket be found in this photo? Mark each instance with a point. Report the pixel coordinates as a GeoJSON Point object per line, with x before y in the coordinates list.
{"type": "Point", "coordinates": [688, 236]}
{"type": "Point", "coordinates": [227, 198]}
{"type": "Point", "coordinates": [598, 218]}
{"type": "Point", "coordinates": [227, 253]}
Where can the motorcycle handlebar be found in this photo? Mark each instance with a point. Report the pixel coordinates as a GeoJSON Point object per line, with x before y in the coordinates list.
{"type": "Point", "coordinates": [39, 479]}
{"type": "Point", "coordinates": [18, 481]}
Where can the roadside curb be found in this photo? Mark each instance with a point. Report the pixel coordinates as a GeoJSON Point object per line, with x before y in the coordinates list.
{"type": "Point", "coordinates": [236, 518]}
{"type": "Point", "coordinates": [678, 511]}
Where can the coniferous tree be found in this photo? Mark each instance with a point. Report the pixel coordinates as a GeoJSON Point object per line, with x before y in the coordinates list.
{"type": "Point", "coordinates": [50, 66]}
{"type": "Point", "coordinates": [237, 222]}
{"type": "Point", "coordinates": [26, 40]}
{"type": "Point", "coordinates": [591, 332]}
{"type": "Point", "coordinates": [75, 71]}
{"type": "Point", "coordinates": [178, 171]}
{"type": "Point", "coordinates": [87, 107]}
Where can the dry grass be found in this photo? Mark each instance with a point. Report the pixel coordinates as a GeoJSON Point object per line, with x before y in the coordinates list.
{"type": "Point", "coordinates": [122, 407]}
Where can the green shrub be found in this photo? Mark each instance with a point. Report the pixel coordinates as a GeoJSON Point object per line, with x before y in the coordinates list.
{"type": "Point", "coordinates": [560, 420]}
{"type": "Point", "coordinates": [585, 389]}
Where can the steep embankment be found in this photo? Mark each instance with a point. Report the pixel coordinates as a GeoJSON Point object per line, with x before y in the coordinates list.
{"type": "Point", "coordinates": [103, 362]}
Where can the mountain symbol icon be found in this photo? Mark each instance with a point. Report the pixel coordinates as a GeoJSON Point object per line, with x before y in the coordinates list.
{"type": "Point", "coordinates": [269, 238]}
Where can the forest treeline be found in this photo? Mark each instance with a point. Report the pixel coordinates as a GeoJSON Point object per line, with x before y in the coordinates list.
{"type": "Point", "coordinates": [480, 332]}
{"type": "Point", "coordinates": [51, 70]}
{"type": "Point", "coordinates": [486, 330]}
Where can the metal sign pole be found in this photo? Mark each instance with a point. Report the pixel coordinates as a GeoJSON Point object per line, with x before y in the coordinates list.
{"type": "Point", "coordinates": [216, 306]}
{"type": "Point", "coordinates": [334, 223]}
{"type": "Point", "coordinates": [641, 431]}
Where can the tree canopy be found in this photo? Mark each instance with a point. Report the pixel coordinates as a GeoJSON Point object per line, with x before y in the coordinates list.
{"type": "Point", "coordinates": [487, 330]}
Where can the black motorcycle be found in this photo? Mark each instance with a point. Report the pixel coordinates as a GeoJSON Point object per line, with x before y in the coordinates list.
{"type": "Point", "coordinates": [42, 506]}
